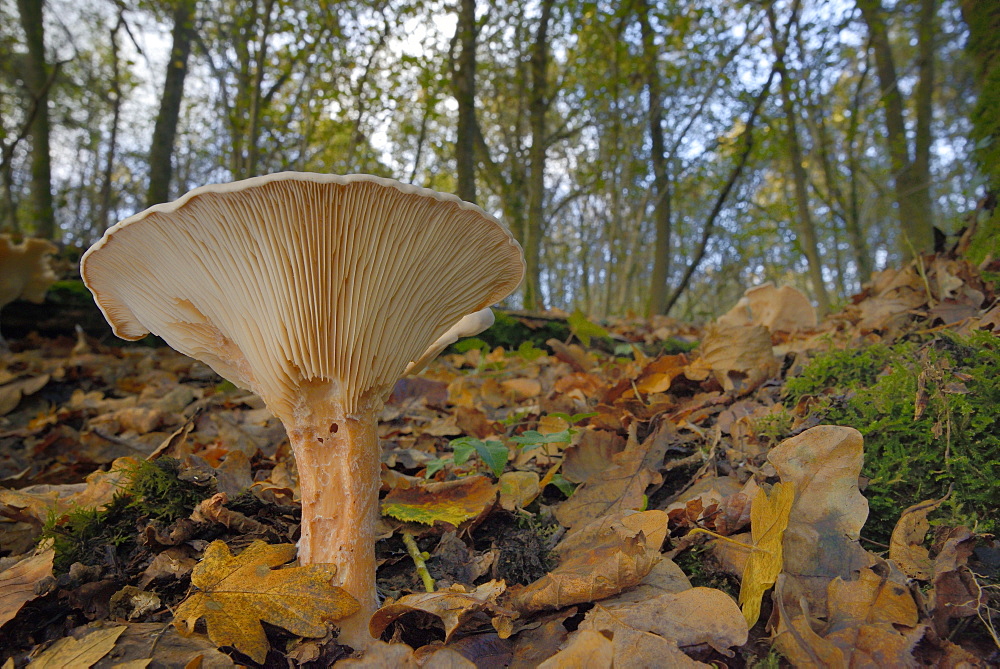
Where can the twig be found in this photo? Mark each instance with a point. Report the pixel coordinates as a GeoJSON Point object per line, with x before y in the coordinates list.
{"type": "Point", "coordinates": [419, 559]}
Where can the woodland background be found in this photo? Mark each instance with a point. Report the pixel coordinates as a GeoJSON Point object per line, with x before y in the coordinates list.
{"type": "Point", "coordinates": [650, 156]}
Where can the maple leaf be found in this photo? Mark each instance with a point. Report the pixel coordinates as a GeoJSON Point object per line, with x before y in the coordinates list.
{"type": "Point", "coordinates": [768, 520]}
{"type": "Point", "coordinates": [237, 593]}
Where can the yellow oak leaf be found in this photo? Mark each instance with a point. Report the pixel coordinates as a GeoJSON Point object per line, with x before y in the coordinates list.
{"type": "Point", "coordinates": [768, 520]}
{"type": "Point", "coordinates": [238, 592]}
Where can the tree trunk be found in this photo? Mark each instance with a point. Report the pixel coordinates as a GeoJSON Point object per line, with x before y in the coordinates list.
{"type": "Point", "coordinates": [162, 146]}
{"type": "Point", "coordinates": [911, 189]}
{"type": "Point", "coordinates": [983, 19]}
{"type": "Point", "coordinates": [464, 79]}
{"type": "Point", "coordinates": [538, 105]}
{"type": "Point", "coordinates": [807, 229]}
{"type": "Point", "coordinates": [42, 216]}
{"type": "Point", "coordinates": [658, 294]}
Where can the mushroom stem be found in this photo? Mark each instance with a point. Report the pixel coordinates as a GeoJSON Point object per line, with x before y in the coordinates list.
{"type": "Point", "coordinates": [337, 456]}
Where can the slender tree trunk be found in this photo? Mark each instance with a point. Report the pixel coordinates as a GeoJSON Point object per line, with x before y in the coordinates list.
{"type": "Point", "coordinates": [807, 228]}
{"type": "Point", "coordinates": [464, 80]}
{"type": "Point", "coordinates": [538, 105]}
{"type": "Point", "coordinates": [42, 214]}
{"type": "Point", "coordinates": [164, 133]}
{"type": "Point", "coordinates": [912, 195]}
{"type": "Point", "coordinates": [104, 210]}
{"type": "Point", "coordinates": [662, 214]}
{"type": "Point", "coordinates": [855, 231]}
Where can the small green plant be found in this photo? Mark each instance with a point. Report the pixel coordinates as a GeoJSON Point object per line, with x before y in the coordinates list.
{"type": "Point", "coordinates": [929, 417]}
{"type": "Point", "coordinates": [495, 454]}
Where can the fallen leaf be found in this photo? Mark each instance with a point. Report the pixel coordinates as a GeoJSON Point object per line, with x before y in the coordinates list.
{"type": "Point", "coordinates": [821, 541]}
{"type": "Point", "coordinates": [17, 583]}
{"type": "Point", "coordinates": [453, 607]}
{"type": "Point", "coordinates": [72, 653]}
{"type": "Point", "coordinates": [452, 502]}
{"type": "Point", "coordinates": [905, 547]}
{"type": "Point", "coordinates": [621, 488]}
{"type": "Point", "coordinates": [653, 631]}
{"type": "Point", "coordinates": [584, 648]}
{"type": "Point", "coordinates": [768, 520]}
{"type": "Point", "coordinates": [956, 593]}
{"type": "Point", "coordinates": [740, 358]}
{"type": "Point", "coordinates": [518, 489]}
{"type": "Point", "coordinates": [782, 309]}
{"type": "Point", "coordinates": [871, 622]}
{"type": "Point", "coordinates": [658, 375]}
{"type": "Point", "coordinates": [589, 455]}
{"type": "Point", "coordinates": [598, 561]}
{"type": "Point", "coordinates": [11, 393]}
{"type": "Point", "coordinates": [237, 593]}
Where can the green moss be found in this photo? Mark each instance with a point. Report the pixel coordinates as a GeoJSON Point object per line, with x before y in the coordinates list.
{"type": "Point", "coordinates": [152, 491]}
{"type": "Point", "coordinates": [510, 332]}
{"type": "Point", "coordinates": [951, 443]}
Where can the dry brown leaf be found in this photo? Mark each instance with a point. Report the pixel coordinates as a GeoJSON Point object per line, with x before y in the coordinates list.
{"type": "Point", "coordinates": [584, 648]}
{"type": "Point", "coordinates": [518, 489]}
{"type": "Point", "coordinates": [956, 593]}
{"type": "Point", "coordinates": [453, 607]}
{"type": "Point", "coordinates": [621, 488]}
{"type": "Point", "coordinates": [17, 583]}
{"type": "Point", "coordinates": [740, 358]}
{"type": "Point", "coordinates": [598, 561]}
{"type": "Point", "coordinates": [658, 375]}
{"type": "Point", "coordinates": [237, 593]}
{"type": "Point", "coordinates": [871, 622]}
{"type": "Point", "coordinates": [905, 547]}
{"type": "Point", "coordinates": [821, 542]}
{"type": "Point", "coordinates": [522, 389]}
{"type": "Point", "coordinates": [653, 631]}
{"type": "Point", "coordinates": [11, 393]}
{"type": "Point", "coordinates": [73, 653]}
{"type": "Point", "coordinates": [590, 454]}
{"type": "Point", "coordinates": [782, 309]}
{"type": "Point", "coordinates": [452, 502]}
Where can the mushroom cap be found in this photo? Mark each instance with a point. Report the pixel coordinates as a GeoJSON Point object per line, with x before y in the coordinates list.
{"type": "Point", "coordinates": [25, 269]}
{"type": "Point", "coordinates": [294, 283]}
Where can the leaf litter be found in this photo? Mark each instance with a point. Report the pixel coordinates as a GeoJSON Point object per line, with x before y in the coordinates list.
{"type": "Point", "coordinates": [541, 507]}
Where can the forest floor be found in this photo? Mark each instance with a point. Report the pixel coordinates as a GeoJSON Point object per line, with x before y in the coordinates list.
{"type": "Point", "coordinates": [763, 491]}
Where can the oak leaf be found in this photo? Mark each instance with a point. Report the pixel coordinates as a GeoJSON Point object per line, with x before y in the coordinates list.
{"type": "Point", "coordinates": [453, 607]}
{"type": "Point", "coordinates": [83, 652]}
{"type": "Point", "coordinates": [17, 583]}
{"type": "Point", "coordinates": [905, 547]}
{"type": "Point", "coordinates": [238, 592]}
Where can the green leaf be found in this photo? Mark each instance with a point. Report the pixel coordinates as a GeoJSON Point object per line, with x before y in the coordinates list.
{"type": "Point", "coordinates": [565, 487]}
{"type": "Point", "coordinates": [533, 438]}
{"type": "Point", "coordinates": [584, 329]}
{"type": "Point", "coordinates": [529, 352]}
{"type": "Point", "coordinates": [493, 453]}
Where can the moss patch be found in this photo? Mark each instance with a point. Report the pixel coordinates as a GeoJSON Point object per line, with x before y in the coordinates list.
{"type": "Point", "coordinates": [928, 413]}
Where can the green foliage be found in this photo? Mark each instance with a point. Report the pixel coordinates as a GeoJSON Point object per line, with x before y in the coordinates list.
{"type": "Point", "coordinates": [493, 453]}
{"type": "Point", "coordinates": [583, 329]}
{"type": "Point", "coordinates": [157, 492]}
{"type": "Point", "coordinates": [950, 443]}
{"type": "Point", "coordinates": [511, 333]}
{"type": "Point", "coordinates": [152, 491]}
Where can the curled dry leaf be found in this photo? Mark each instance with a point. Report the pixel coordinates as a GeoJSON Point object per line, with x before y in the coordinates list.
{"type": "Point", "coordinates": [237, 593]}
{"type": "Point", "coordinates": [653, 631]}
{"type": "Point", "coordinates": [518, 489]}
{"type": "Point", "coordinates": [871, 622]}
{"type": "Point", "coordinates": [598, 561]}
{"type": "Point", "coordinates": [452, 502]}
{"type": "Point", "coordinates": [11, 393]}
{"type": "Point", "coordinates": [956, 593]}
{"type": "Point", "coordinates": [905, 547]}
{"type": "Point", "coordinates": [453, 607]}
{"type": "Point", "coordinates": [740, 358]}
{"type": "Point", "coordinates": [821, 541]}
{"type": "Point", "coordinates": [17, 583]}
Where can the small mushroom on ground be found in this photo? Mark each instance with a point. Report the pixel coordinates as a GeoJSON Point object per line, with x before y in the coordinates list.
{"type": "Point", "coordinates": [25, 271]}
{"type": "Point", "coordinates": [317, 292]}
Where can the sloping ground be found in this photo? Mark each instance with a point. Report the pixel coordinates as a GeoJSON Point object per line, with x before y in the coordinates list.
{"type": "Point", "coordinates": [612, 497]}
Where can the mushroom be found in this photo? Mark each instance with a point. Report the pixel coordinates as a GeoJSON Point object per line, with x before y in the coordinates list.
{"type": "Point", "coordinates": [317, 292]}
{"type": "Point", "coordinates": [25, 271]}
